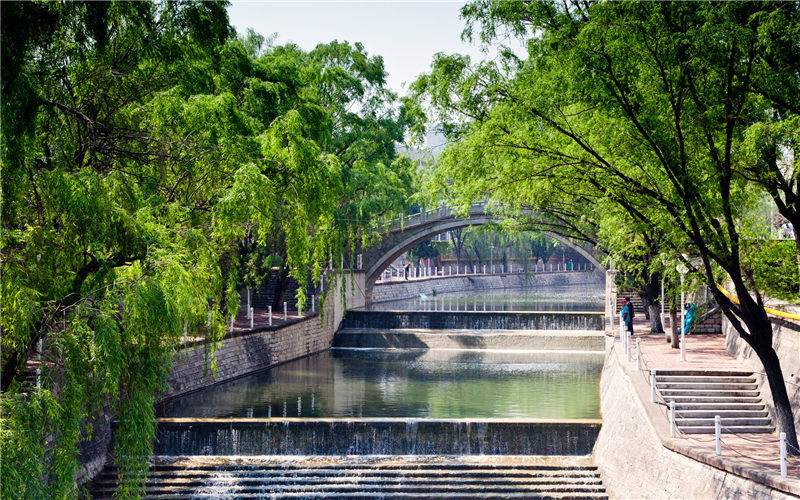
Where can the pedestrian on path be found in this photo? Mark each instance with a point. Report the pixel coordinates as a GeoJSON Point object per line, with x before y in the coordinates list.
{"type": "Point", "coordinates": [688, 321]}
{"type": "Point", "coordinates": [626, 315]}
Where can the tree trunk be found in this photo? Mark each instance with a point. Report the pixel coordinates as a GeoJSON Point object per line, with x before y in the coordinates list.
{"type": "Point", "coordinates": [280, 289]}
{"type": "Point", "coordinates": [780, 398]}
{"type": "Point", "coordinates": [797, 247]}
{"type": "Point", "coordinates": [755, 321]}
{"type": "Point", "coordinates": [649, 297]}
{"type": "Point", "coordinates": [673, 322]}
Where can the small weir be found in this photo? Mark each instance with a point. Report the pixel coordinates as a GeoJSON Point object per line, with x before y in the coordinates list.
{"type": "Point", "coordinates": [375, 436]}
{"type": "Point", "coordinates": [476, 320]}
{"type": "Point", "coordinates": [407, 404]}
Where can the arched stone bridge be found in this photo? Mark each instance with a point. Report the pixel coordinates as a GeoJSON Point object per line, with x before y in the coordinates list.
{"type": "Point", "coordinates": [422, 226]}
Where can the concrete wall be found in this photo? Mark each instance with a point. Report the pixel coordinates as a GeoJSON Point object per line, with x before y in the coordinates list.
{"type": "Point", "coordinates": [786, 342]}
{"type": "Point", "coordinates": [634, 459]}
{"type": "Point", "coordinates": [238, 356]}
{"type": "Point", "coordinates": [397, 290]}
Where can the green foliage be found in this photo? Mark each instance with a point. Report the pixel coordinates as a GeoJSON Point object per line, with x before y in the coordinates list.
{"type": "Point", "coordinates": [644, 127]}
{"type": "Point", "coordinates": [773, 266]}
{"type": "Point", "coordinates": [153, 165]}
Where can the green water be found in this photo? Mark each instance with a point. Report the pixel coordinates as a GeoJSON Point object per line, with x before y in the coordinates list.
{"type": "Point", "coordinates": [409, 383]}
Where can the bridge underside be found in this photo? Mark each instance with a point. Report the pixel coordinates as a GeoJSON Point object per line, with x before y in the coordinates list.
{"type": "Point", "coordinates": [397, 242]}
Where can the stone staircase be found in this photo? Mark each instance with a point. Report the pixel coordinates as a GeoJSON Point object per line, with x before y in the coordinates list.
{"type": "Point", "coordinates": [700, 395]}
{"type": "Point", "coordinates": [638, 304]}
{"type": "Point", "coordinates": [367, 477]}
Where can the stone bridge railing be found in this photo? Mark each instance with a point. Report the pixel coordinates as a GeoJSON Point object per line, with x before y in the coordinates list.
{"type": "Point", "coordinates": [428, 216]}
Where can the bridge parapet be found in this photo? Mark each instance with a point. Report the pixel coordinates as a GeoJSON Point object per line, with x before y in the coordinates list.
{"type": "Point", "coordinates": [434, 214]}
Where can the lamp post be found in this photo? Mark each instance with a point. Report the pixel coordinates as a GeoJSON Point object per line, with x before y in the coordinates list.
{"type": "Point", "coordinates": [681, 268]}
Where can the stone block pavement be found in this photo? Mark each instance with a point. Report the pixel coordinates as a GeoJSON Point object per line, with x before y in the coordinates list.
{"type": "Point", "coordinates": [757, 452]}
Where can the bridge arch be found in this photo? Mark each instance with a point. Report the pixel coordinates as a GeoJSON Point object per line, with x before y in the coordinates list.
{"type": "Point", "coordinates": [399, 241]}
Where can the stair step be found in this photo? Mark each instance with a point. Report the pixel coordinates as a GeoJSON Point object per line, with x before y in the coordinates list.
{"type": "Point", "coordinates": [372, 495]}
{"type": "Point", "coordinates": [711, 413]}
{"type": "Point", "coordinates": [680, 399]}
{"type": "Point", "coordinates": [721, 406]}
{"type": "Point", "coordinates": [220, 487]}
{"type": "Point", "coordinates": [737, 429]}
{"type": "Point", "coordinates": [703, 373]}
{"type": "Point", "coordinates": [719, 379]}
{"type": "Point", "coordinates": [709, 393]}
{"type": "Point", "coordinates": [566, 477]}
{"type": "Point", "coordinates": [727, 422]}
{"type": "Point", "coordinates": [405, 468]}
{"type": "Point", "coordinates": [497, 479]}
{"type": "Point", "coordinates": [707, 387]}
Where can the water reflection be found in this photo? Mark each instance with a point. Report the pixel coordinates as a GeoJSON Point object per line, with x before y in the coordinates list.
{"type": "Point", "coordinates": [554, 298]}
{"type": "Point", "coordinates": [408, 383]}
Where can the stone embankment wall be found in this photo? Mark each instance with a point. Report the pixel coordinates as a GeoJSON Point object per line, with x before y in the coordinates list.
{"type": "Point", "coordinates": [634, 460]}
{"type": "Point", "coordinates": [786, 341]}
{"type": "Point", "coordinates": [265, 347]}
{"type": "Point", "coordinates": [235, 357]}
{"type": "Point", "coordinates": [710, 322]}
{"type": "Point", "coordinates": [397, 290]}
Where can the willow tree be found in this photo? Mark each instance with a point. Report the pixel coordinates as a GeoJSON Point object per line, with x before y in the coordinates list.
{"type": "Point", "coordinates": [648, 104]}
{"type": "Point", "coordinates": [142, 145]}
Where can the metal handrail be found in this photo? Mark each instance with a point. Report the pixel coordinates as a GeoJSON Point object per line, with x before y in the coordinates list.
{"type": "Point", "coordinates": [773, 312]}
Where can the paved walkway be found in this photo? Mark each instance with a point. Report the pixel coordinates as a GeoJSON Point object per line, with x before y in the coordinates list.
{"type": "Point", "coordinates": [707, 352]}
{"type": "Point", "coordinates": [261, 318]}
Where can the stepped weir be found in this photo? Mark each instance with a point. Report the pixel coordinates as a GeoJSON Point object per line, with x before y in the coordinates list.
{"type": "Point", "coordinates": [406, 404]}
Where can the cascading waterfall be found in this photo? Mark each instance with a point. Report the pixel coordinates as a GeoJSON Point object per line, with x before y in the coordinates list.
{"type": "Point", "coordinates": [444, 402]}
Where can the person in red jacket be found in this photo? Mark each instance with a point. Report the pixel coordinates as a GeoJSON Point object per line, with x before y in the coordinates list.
{"type": "Point", "coordinates": [626, 315]}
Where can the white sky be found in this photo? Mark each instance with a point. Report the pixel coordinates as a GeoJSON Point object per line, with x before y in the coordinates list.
{"type": "Point", "coordinates": [407, 34]}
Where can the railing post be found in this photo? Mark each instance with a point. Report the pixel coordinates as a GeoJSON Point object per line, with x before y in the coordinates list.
{"type": "Point", "coordinates": [672, 418]}
{"type": "Point", "coordinates": [313, 303]}
{"type": "Point", "coordinates": [270, 315]}
{"type": "Point", "coordinates": [653, 386]}
{"type": "Point", "coordinates": [251, 318]}
{"type": "Point", "coordinates": [628, 343]}
{"type": "Point", "coordinates": [717, 431]}
{"type": "Point", "coordinates": [484, 269]}
{"type": "Point", "coordinates": [783, 454]}
{"type": "Point", "coordinates": [233, 316]}
{"type": "Point", "coordinates": [285, 309]}
{"type": "Point", "coordinates": [248, 303]}
{"type": "Point", "coordinates": [208, 324]}
{"type": "Point", "coordinates": [639, 354]}
{"type": "Point", "coordinates": [683, 326]}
